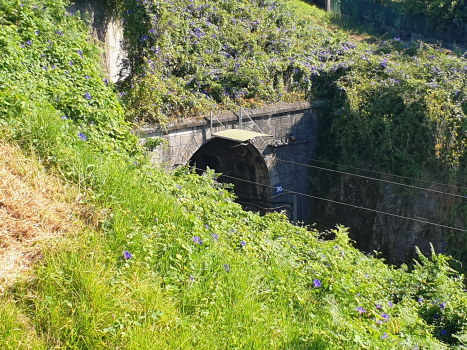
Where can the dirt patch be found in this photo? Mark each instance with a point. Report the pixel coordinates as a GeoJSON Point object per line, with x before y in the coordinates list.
{"type": "Point", "coordinates": [34, 207]}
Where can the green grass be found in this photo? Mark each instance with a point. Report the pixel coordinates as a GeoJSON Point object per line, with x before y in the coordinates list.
{"type": "Point", "coordinates": [15, 330]}
{"type": "Point", "coordinates": [309, 12]}
{"type": "Point", "coordinates": [174, 293]}
{"type": "Point", "coordinates": [254, 283]}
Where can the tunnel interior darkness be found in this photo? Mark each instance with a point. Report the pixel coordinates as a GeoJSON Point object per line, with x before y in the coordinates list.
{"type": "Point", "coordinates": [239, 160]}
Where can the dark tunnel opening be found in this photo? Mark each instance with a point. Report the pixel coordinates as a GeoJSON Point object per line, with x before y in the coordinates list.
{"type": "Point", "coordinates": [237, 161]}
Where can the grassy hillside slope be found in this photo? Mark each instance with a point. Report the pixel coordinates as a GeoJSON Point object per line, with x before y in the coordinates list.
{"type": "Point", "coordinates": [173, 262]}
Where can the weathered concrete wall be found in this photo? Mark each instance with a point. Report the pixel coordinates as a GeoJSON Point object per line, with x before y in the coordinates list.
{"type": "Point", "coordinates": [292, 127]}
{"type": "Point", "coordinates": [108, 30]}
{"type": "Point", "coordinates": [393, 237]}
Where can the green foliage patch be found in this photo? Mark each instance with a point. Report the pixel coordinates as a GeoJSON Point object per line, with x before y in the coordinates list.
{"type": "Point", "coordinates": [444, 14]}
{"type": "Point", "coordinates": [401, 106]}
{"type": "Point", "coordinates": [174, 262]}
{"type": "Point", "coordinates": [190, 57]}
{"type": "Point", "coordinates": [46, 57]}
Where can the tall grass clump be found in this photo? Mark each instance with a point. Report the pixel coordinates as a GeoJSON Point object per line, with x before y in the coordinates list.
{"type": "Point", "coordinates": [171, 261]}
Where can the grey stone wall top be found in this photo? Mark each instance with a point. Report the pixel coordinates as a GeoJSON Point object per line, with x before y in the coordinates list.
{"type": "Point", "coordinates": [230, 116]}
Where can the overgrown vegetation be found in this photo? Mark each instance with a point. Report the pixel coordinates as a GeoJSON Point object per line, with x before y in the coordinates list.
{"type": "Point", "coordinates": [190, 57]}
{"type": "Point", "coordinates": [407, 100]}
{"type": "Point", "coordinates": [174, 262]}
{"type": "Point", "coordinates": [448, 14]}
{"type": "Point", "coordinates": [47, 58]}
{"type": "Point", "coordinates": [401, 106]}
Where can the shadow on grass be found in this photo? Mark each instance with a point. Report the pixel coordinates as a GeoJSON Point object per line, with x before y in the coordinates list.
{"type": "Point", "coordinates": [356, 29]}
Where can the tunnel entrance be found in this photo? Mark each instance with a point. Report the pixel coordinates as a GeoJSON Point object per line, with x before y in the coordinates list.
{"type": "Point", "coordinates": [237, 160]}
{"type": "Point", "coordinates": [318, 3]}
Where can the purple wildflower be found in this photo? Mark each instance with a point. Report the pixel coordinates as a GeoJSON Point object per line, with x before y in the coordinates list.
{"type": "Point", "coordinates": [53, 66]}
{"type": "Point", "coordinates": [243, 243]}
{"type": "Point", "coordinates": [385, 316]}
{"type": "Point", "coordinates": [444, 332]}
{"type": "Point", "coordinates": [317, 283]}
{"type": "Point", "coordinates": [436, 316]}
{"type": "Point", "coordinates": [442, 305]}
{"type": "Point", "coordinates": [384, 336]}
{"type": "Point", "coordinates": [80, 53]}
{"type": "Point", "coordinates": [86, 76]}
{"type": "Point", "coordinates": [64, 117]}
{"type": "Point", "coordinates": [71, 63]}
{"type": "Point", "coordinates": [191, 278]}
{"type": "Point", "coordinates": [178, 186]}
{"type": "Point", "coordinates": [127, 255]}
{"type": "Point", "coordinates": [82, 136]}
{"type": "Point", "coordinates": [66, 72]}
{"type": "Point", "coordinates": [206, 226]}
{"type": "Point", "coordinates": [215, 236]}
{"type": "Point", "coordinates": [197, 240]}
{"type": "Point", "coordinates": [360, 310]}
{"type": "Point", "coordinates": [384, 63]}
{"type": "Point", "coordinates": [226, 267]}
{"type": "Point", "coordinates": [88, 96]}
{"type": "Point", "coordinates": [29, 42]}
{"type": "Point", "coordinates": [390, 304]}
{"type": "Point", "coordinates": [37, 32]}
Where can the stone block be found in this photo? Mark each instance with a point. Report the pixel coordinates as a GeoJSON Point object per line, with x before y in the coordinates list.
{"type": "Point", "coordinates": [173, 140]}
{"type": "Point", "coordinates": [286, 121]}
{"type": "Point", "coordinates": [175, 150]}
{"type": "Point", "coordinates": [263, 125]}
{"type": "Point", "coordinates": [186, 139]}
{"type": "Point", "coordinates": [297, 119]}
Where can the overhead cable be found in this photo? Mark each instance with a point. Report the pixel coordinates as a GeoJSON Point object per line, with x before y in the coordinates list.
{"type": "Point", "coordinates": [346, 204]}
{"type": "Point", "coordinates": [386, 174]}
{"type": "Point", "coordinates": [369, 178]}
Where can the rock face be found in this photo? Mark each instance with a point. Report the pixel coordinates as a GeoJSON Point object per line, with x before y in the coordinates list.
{"type": "Point", "coordinates": [108, 30]}
{"type": "Point", "coordinates": [395, 238]}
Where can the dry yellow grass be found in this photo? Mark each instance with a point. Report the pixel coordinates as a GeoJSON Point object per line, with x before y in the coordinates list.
{"type": "Point", "coordinates": [34, 207]}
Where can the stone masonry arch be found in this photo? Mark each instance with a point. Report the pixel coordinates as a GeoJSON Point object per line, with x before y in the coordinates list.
{"type": "Point", "coordinates": [236, 161]}
{"type": "Point", "coordinates": [262, 160]}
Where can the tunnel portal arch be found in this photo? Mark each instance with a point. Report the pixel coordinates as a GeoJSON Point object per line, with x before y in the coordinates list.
{"type": "Point", "coordinates": [238, 160]}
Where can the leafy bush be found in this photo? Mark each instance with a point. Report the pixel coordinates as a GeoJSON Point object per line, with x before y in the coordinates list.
{"type": "Point", "coordinates": [196, 56]}
{"type": "Point", "coordinates": [46, 57]}
{"type": "Point", "coordinates": [402, 106]}
{"type": "Point", "coordinates": [443, 14]}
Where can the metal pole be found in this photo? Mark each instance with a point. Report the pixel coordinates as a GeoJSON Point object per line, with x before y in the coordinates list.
{"type": "Point", "coordinates": [211, 124]}
{"type": "Point", "coordinates": [295, 208]}
{"type": "Point", "coordinates": [240, 126]}
{"type": "Point", "coordinates": [328, 5]}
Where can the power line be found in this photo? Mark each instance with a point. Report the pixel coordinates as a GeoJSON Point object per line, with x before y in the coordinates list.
{"type": "Point", "coordinates": [370, 178]}
{"type": "Point", "coordinates": [346, 204]}
{"type": "Point", "coordinates": [387, 174]}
